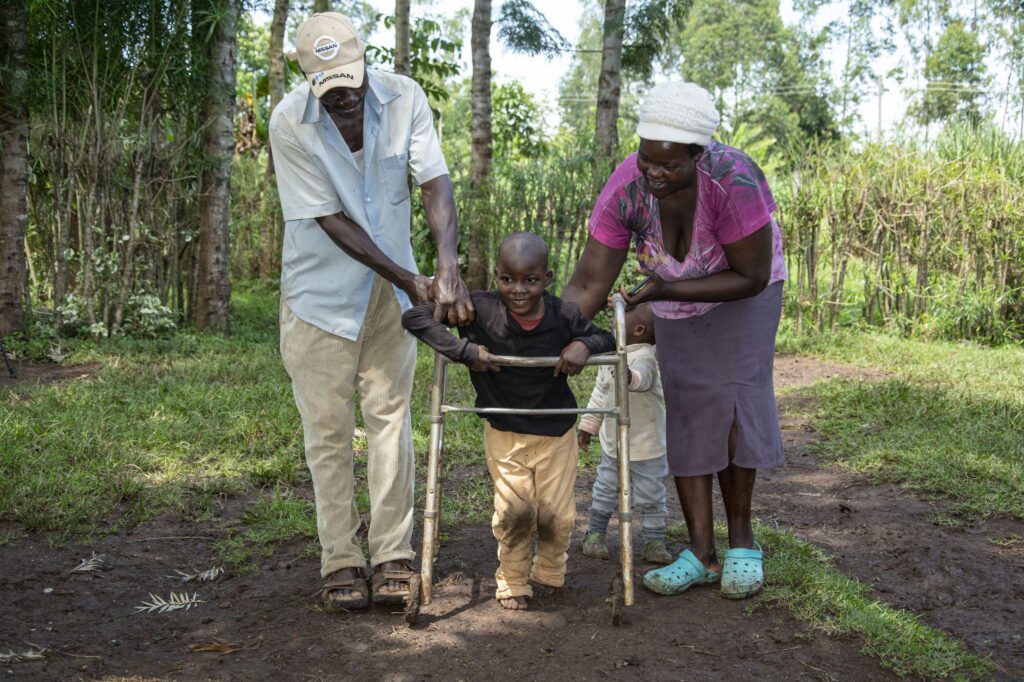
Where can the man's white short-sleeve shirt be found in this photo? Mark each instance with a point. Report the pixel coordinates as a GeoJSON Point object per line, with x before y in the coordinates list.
{"type": "Point", "coordinates": [317, 175]}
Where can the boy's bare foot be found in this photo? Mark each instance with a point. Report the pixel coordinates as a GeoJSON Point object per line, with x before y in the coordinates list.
{"type": "Point", "coordinates": [544, 591]}
{"type": "Point", "coordinates": [515, 603]}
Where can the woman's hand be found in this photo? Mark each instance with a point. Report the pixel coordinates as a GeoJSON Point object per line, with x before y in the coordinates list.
{"type": "Point", "coordinates": [573, 359]}
{"type": "Point", "coordinates": [583, 439]}
{"type": "Point", "coordinates": [484, 361]}
{"type": "Point", "coordinates": [652, 291]}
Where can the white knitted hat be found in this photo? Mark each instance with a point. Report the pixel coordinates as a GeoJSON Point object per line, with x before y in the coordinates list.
{"type": "Point", "coordinates": [678, 112]}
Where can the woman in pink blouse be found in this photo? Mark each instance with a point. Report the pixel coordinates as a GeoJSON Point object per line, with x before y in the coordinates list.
{"type": "Point", "coordinates": [699, 214]}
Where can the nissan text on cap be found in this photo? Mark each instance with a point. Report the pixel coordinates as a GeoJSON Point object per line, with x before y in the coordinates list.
{"type": "Point", "coordinates": [330, 52]}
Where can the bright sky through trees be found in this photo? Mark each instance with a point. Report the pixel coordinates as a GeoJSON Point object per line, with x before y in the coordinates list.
{"type": "Point", "coordinates": [541, 76]}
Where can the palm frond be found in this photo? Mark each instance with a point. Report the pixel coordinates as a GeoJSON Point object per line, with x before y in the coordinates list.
{"type": "Point", "coordinates": [93, 563]}
{"type": "Point", "coordinates": [24, 656]}
{"type": "Point", "coordinates": [206, 576]}
{"type": "Point", "coordinates": [177, 600]}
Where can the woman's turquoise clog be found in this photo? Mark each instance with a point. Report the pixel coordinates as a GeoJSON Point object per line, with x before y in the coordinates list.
{"type": "Point", "coordinates": [742, 572]}
{"type": "Point", "coordinates": [680, 575]}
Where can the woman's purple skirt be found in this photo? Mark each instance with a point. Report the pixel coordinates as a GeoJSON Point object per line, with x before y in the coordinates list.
{"type": "Point", "coordinates": [716, 370]}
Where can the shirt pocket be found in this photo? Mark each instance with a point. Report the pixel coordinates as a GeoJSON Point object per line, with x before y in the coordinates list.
{"type": "Point", "coordinates": [394, 174]}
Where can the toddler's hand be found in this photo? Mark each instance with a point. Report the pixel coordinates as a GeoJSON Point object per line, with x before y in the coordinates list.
{"type": "Point", "coordinates": [573, 359]}
{"type": "Point", "coordinates": [484, 362]}
{"type": "Point", "coordinates": [583, 439]}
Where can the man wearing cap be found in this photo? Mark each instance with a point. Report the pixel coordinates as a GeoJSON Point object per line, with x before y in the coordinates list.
{"type": "Point", "coordinates": [344, 143]}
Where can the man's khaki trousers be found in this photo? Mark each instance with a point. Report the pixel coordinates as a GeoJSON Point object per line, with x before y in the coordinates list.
{"type": "Point", "coordinates": [534, 478]}
{"type": "Point", "coordinates": [326, 372]}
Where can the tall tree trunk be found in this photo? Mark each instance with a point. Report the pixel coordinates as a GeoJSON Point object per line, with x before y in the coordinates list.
{"type": "Point", "coordinates": [402, 63]}
{"type": "Point", "coordinates": [480, 126]}
{"type": "Point", "coordinates": [321, 6]}
{"type": "Point", "coordinates": [214, 287]}
{"type": "Point", "coordinates": [275, 77]}
{"type": "Point", "coordinates": [275, 80]}
{"type": "Point", "coordinates": [13, 166]}
{"type": "Point", "coordinates": [610, 82]}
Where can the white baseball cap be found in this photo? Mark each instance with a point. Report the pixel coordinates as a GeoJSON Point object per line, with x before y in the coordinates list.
{"type": "Point", "coordinates": [330, 52]}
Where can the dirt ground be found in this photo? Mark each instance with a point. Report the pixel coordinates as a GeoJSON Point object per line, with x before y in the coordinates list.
{"type": "Point", "coordinates": [267, 623]}
{"type": "Point", "coordinates": [33, 373]}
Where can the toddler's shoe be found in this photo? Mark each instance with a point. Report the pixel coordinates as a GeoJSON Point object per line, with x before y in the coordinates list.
{"type": "Point", "coordinates": [595, 546]}
{"type": "Point", "coordinates": [655, 552]}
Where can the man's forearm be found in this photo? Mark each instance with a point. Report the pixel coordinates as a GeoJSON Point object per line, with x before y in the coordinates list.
{"type": "Point", "coordinates": [353, 240]}
{"type": "Point", "coordinates": [442, 220]}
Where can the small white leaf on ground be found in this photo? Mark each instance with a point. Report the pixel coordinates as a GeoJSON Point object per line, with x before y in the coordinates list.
{"type": "Point", "coordinates": [24, 657]}
{"type": "Point", "coordinates": [175, 602]}
{"type": "Point", "coordinates": [206, 576]}
{"type": "Point", "coordinates": [93, 563]}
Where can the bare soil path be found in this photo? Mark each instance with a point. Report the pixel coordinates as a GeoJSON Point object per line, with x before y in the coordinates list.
{"type": "Point", "coordinates": [34, 373]}
{"type": "Point", "coordinates": [267, 624]}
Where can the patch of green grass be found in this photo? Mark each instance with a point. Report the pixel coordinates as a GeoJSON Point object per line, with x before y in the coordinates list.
{"type": "Point", "coordinates": [163, 424]}
{"type": "Point", "coordinates": [173, 424]}
{"type": "Point", "coordinates": [271, 519]}
{"type": "Point", "coordinates": [803, 579]}
{"type": "Point", "coordinates": [997, 372]}
{"type": "Point", "coordinates": [472, 501]}
{"type": "Point", "coordinates": [947, 423]}
{"type": "Point", "coordinates": [938, 440]}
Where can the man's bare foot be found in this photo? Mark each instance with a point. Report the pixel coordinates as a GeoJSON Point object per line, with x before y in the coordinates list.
{"type": "Point", "coordinates": [393, 587]}
{"type": "Point", "coordinates": [346, 588]}
{"type": "Point", "coordinates": [515, 603]}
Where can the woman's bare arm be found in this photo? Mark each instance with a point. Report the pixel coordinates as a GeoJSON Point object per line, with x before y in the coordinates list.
{"type": "Point", "coordinates": [594, 276]}
{"type": "Point", "coordinates": [750, 269]}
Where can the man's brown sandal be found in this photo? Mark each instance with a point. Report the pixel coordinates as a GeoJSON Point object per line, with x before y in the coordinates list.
{"type": "Point", "coordinates": [382, 576]}
{"type": "Point", "coordinates": [355, 584]}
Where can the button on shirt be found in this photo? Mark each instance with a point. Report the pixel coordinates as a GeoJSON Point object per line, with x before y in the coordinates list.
{"type": "Point", "coordinates": [318, 175]}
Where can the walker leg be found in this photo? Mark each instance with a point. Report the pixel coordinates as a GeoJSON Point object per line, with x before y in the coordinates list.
{"type": "Point", "coordinates": [431, 512]}
{"type": "Point", "coordinates": [622, 443]}
{"type": "Point", "coordinates": [625, 517]}
{"type": "Point", "coordinates": [412, 603]}
{"type": "Point", "coordinates": [616, 598]}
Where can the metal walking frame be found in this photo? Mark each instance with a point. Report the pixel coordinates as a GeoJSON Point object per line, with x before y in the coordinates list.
{"type": "Point", "coordinates": [621, 593]}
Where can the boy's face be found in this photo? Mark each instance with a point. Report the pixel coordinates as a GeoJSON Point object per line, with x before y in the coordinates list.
{"type": "Point", "coordinates": [522, 279]}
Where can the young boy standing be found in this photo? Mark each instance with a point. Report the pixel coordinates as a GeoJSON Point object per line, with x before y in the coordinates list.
{"type": "Point", "coordinates": [648, 466]}
{"type": "Point", "coordinates": [532, 459]}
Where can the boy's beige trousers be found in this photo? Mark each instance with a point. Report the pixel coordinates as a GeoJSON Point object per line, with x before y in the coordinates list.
{"type": "Point", "coordinates": [533, 491]}
{"type": "Point", "coordinates": [326, 372]}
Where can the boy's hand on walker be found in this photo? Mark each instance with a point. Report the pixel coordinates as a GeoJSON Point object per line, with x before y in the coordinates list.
{"type": "Point", "coordinates": [573, 359]}
{"type": "Point", "coordinates": [484, 362]}
{"type": "Point", "coordinates": [583, 439]}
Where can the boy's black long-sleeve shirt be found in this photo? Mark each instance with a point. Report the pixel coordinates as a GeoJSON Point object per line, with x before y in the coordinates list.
{"type": "Point", "coordinates": [532, 388]}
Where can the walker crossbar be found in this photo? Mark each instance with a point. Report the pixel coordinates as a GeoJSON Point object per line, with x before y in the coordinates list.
{"type": "Point", "coordinates": [622, 583]}
{"type": "Point", "coordinates": [524, 411]}
{"type": "Point", "coordinates": [548, 361]}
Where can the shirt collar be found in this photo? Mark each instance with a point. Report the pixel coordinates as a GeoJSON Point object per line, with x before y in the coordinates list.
{"type": "Point", "coordinates": [377, 95]}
